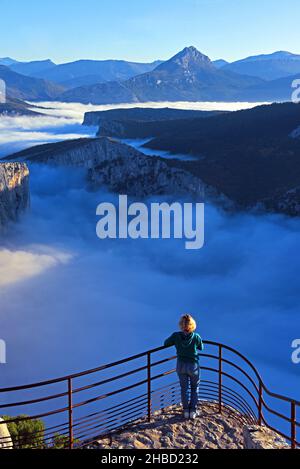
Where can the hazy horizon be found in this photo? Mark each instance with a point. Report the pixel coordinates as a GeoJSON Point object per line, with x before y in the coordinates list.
{"type": "Point", "coordinates": [76, 59]}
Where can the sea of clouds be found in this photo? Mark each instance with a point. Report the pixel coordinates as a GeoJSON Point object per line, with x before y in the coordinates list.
{"type": "Point", "coordinates": [70, 301]}
{"type": "Point", "coordinates": [61, 121]}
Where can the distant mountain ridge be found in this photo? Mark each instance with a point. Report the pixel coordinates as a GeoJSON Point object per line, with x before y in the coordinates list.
{"type": "Point", "coordinates": [188, 76]}
{"type": "Point", "coordinates": [28, 88]}
{"type": "Point", "coordinates": [7, 61]}
{"type": "Point", "coordinates": [220, 63]}
{"type": "Point", "coordinates": [31, 68]}
{"type": "Point", "coordinates": [267, 66]}
{"type": "Point", "coordinates": [279, 90]}
{"type": "Point", "coordinates": [86, 72]}
{"type": "Point", "coordinates": [80, 72]}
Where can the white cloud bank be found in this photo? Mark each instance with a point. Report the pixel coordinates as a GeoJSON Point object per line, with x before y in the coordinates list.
{"type": "Point", "coordinates": [19, 265]}
{"type": "Point", "coordinates": [76, 110]}
{"type": "Point", "coordinates": [63, 121]}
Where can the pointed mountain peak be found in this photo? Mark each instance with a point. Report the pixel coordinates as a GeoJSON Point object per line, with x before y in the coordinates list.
{"type": "Point", "coordinates": [191, 53]}
{"type": "Point", "coordinates": [190, 50]}
{"type": "Point", "coordinates": [188, 58]}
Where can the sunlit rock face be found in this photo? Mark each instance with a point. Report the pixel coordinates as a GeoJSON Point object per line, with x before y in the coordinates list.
{"type": "Point", "coordinates": [256, 437]}
{"type": "Point", "coordinates": [14, 191]}
{"type": "Point", "coordinates": [118, 167]}
{"type": "Point", "coordinates": [5, 438]}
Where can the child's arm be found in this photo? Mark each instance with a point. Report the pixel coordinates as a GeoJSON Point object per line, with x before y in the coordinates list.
{"type": "Point", "coordinates": [200, 345]}
{"type": "Point", "coordinates": [169, 341]}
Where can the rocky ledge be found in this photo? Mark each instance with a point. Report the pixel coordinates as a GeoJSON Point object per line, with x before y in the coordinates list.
{"type": "Point", "coordinates": [120, 168]}
{"type": "Point", "coordinates": [210, 430]}
{"type": "Point", "coordinates": [14, 191]}
{"type": "Point", "coordinates": [263, 438]}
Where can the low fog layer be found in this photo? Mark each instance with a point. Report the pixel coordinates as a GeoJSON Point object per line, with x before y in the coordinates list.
{"type": "Point", "coordinates": [70, 301]}
{"type": "Point", "coordinates": [60, 121]}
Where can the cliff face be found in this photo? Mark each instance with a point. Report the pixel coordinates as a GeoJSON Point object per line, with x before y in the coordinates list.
{"type": "Point", "coordinates": [124, 169]}
{"type": "Point", "coordinates": [119, 167]}
{"type": "Point", "coordinates": [110, 128]}
{"type": "Point", "coordinates": [14, 191]}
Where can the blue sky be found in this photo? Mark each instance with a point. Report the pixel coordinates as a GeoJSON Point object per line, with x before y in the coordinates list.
{"type": "Point", "coordinates": [145, 30]}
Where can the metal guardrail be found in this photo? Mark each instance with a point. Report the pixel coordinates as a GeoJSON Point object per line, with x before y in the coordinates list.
{"type": "Point", "coordinates": [76, 414]}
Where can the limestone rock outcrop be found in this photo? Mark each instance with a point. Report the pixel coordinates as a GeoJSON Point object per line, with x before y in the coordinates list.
{"type": "Point", "coordinates": [256, 437]}
{"type": "Point", "coordinates": [14, 191]}
{"type": "Point", "coordinates": [5, 438]}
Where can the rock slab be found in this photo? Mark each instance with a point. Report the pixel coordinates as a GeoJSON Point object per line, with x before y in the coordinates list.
{"type": "Point", "coordinates": [256, 437]}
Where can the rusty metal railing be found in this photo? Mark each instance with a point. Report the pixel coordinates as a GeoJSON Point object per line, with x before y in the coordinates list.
{"type": "Point", "coordinates": [77, 410]}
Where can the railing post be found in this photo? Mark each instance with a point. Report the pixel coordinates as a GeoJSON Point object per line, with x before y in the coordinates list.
{"type": "Point", "coordinates": [293, 425]}
{"type": "Point", "coordinates": [220, 377]}
{"type": "Point", "coordinates": [70, 407]}
{"type": "Point", "coordinates": [149, 384]}
{"type": "Point", "coordinates": [260, 400]}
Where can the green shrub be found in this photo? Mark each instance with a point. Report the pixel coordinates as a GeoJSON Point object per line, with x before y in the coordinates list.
{"type": "Point", "coordinates": [26, 434]}
{"type": "Point", "coordinates": [60, 441]}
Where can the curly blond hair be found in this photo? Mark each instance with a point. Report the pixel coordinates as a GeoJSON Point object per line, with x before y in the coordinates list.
{"type": "Point", "coordinates": [187, 323]}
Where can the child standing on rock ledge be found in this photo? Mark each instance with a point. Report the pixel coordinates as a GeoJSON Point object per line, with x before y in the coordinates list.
{"type": "Point", "coordinates": [187, 344]}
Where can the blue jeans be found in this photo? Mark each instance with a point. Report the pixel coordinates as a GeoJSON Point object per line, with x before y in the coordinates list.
{"type": "Point", "coordinates": [189, 378]}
